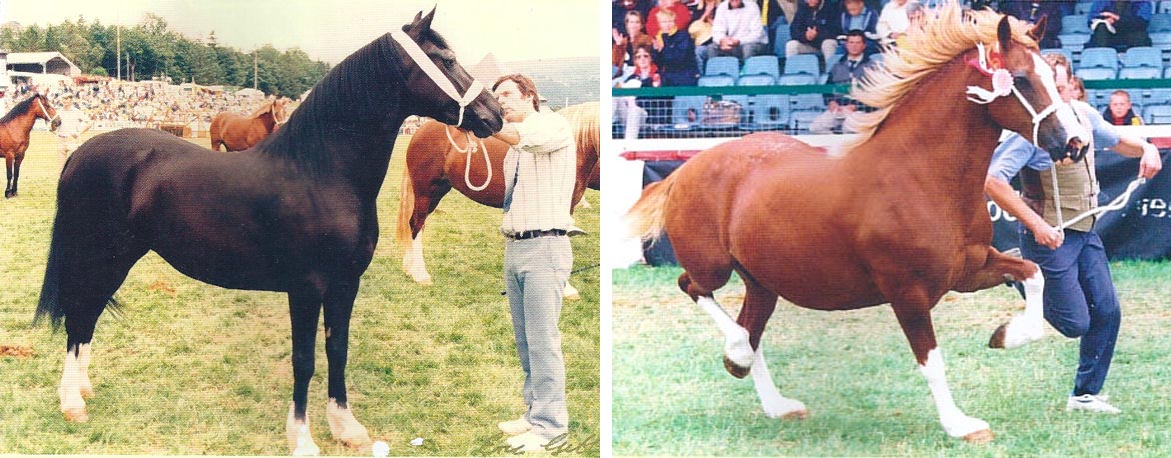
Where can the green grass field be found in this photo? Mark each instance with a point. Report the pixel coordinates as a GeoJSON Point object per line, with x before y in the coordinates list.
{"type": "Point", "coordinates": [191, 368]}
{"type": "Point", "coordinates": [855, 372]}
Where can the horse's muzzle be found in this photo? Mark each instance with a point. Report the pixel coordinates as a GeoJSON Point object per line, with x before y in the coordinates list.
{"type": "Point", "coordinates": [54, 125]}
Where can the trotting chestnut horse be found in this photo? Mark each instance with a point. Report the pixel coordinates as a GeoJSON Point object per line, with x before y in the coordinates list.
{"type": "Point", "coordinates": [435, 166]}
{"type": "Point", "coordinates": [237, 132]}
{"type": "Point", "coordinates": [297, 213]}
{"type": "Point", "coordinates": [14, 134]}
{"type": "Point", "coordinates": [898, 218]}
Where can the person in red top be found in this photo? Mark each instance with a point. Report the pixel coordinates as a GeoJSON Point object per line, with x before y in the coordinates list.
{"type": "Point", "coordinates": [1120, 112]}
{"type": "Point", "coordinates": [682, 16]}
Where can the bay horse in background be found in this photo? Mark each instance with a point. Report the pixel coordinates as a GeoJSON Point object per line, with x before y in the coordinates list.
{"type": "Point", "coordinates": [14, 134]}
{"type": "Point", "coordinates": [238, 132]}
{"type": "Point", "coordinates": [296, 213]}
{"type": "Point", "coordinates": [899, 217]}
{"type": "Point", "coordinates": [435, 166]}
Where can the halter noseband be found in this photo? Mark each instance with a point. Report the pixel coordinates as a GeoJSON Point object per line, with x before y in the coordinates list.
{"type": "Point", "coordinates": [437, 76]}
{"type": "Point", "coordinates": [1002, 85]}
{"type": "Point", "coordinates": [46, 112]}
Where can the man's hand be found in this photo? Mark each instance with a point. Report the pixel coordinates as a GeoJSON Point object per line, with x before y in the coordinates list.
{"type": "Point", "coordinates": [810, 33]}
{"type": "Point", "coordinates": [1048, 236]}
{"type": "Point", "coordinates": [1151, 162]}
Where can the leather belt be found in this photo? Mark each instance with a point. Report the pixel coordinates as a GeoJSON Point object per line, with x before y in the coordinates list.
{"type": "Point", "coordinates": [534, 234]}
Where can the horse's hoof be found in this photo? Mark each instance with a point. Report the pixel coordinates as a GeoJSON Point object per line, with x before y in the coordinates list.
{"type": "Point", "coordinates": [76, 415]}
{"type": "Point", "coordinates": [997, 340]}
{"type": "Point", "coordinates": [796, 415]}
{"type": "Point", "coordinates": [359, 442]}
{"type": "Point", "coordinates": [87, 392]}
{"type": "Point", "coordinates": [982, 436]}
{"type": "Point", "coordinates": [736, 370]}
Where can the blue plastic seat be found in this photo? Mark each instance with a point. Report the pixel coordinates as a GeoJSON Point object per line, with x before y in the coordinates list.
{"type": "Point", "coordinates": [761, 65]}
{"type": "Point", "coordinates": [1099, 58]}
{"type": "Point", "coordinates": [1157, 114]}
{"type": "Point", "coordinates": [1158, 96]}
{"type": "Point", "coordinates": [1083, 8]}
{"type": "Point", "coordinates": [1139, 73]}
{"type": "Point", "coordinates": [769, 112]}
{"type": "Point", "coordinates": [680, 108]}
{"type": "Point", "coordinates": [716, 80]}
{"type": "Point", "coordinates": [1143, 56]}
{"type": "Point", "coordinates": [756, 80]}
{"type": "Point", "coordinates": [1160, 22]}
{"type": "Point", "coordinates": [801, 79]}
{"type": "Point", "coordinates": [1095, 74]}
{"type": "Point", "coordinates": [802, 63]}
{"type": "Point", "coordinates": [1077, 22]}
{"type": "Point", "coordinates": [1161, 40]}
{"type": "Point", "coordinates": [722, 65]}
{"type": "Point", "coordinates": [1164, 7]}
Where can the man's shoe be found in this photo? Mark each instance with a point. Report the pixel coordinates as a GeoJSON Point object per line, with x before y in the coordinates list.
{"type": "Point", "coordinates": [515, 427]}
{"type": "Point", "coordinates": [1090, 403]}
{"type": "Point", "coordinates": [531, 442]}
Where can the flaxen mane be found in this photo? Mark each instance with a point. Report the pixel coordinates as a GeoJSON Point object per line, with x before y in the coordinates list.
{"type": "Point", "coordinates": [946, 32]}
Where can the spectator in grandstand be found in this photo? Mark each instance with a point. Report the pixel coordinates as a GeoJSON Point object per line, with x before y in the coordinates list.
{"type": "Point", "coordinates": [854, 64]}
{"type": "Point", "coordinates": [633, 36]}
{"type": "Point", "coordinates": [701, 29]}
{"type": "Point", "coordinates": [1120, 112]}
{"type": "Point", "coordinates": [619, 8]}
{"type": "Point", "coordinates": [674, 52]}
{"type": "Point", "coordinates": [737, 30]}
{"type": "Point", "coordinates": [1077, 87]}
{"type": "Point", "coordinates": [682, 17]}
{"type": "Point", "coordinates": [1032, 11]}
{"type": "Point", "coordinates": [836, 118]}
{"type": "Point", "coordinates": [893, 21]}
{"type": "Point", "coordinates": [857, 16]}
{"type": "Point", "coordinates": [815, 29]}
{"type": "Point", "coordinates": [1078, 296]}
{"type": "Point", "coordinates": [74, 124]}
{"type": "Point", "coordinates": [1120, 24]}
{"type": "Point", "coordinates": [631, 111]}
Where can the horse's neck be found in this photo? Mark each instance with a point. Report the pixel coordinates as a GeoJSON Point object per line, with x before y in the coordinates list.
{"type": "Point", "coordinates": [24, 122]}
{"type": "Point", "coordinates": [935, 130]}
{"type": "Point", "coordinates": [268, 120]}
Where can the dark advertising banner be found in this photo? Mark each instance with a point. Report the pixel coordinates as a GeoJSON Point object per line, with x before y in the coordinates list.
{"type": "Point", "coordinates": [1140, 230]}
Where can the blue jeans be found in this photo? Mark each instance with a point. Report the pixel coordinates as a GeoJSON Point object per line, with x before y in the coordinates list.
{"type": "Point", "coordinates": [535, 272]}
{"type": "Point", "coordinates": [1080, 301]}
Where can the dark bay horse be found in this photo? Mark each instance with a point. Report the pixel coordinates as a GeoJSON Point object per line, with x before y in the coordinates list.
{"type": "Point", "coordinates": [296, 213]}
{"type": "Point", "coordinates": [435, 166]}
{"type": "Point", "coordinates": [899, 218]}
{"type": "Point", "coordinates": [14, 134]}
{"type": "Point", "coordinates": [237, 132]}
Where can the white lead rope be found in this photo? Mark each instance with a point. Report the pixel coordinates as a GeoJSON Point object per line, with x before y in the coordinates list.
{"type": "Point", "coordinates": [1115, 204]}
{"type": "Point", "coordinates": [469, 151]}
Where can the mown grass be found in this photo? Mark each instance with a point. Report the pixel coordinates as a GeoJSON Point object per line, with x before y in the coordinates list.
{"type": "Point", "coordinates": [190, 368]}
{"type": "Point", "coordinates": [855, 372]}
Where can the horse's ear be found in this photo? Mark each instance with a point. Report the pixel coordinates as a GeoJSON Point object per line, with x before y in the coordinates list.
{"type": "Point", "coordinates": [1038, 29]}
{"type": "Point", "coordinates": [1004, 34]}
{"type": "Point", "coordinates": [425, 24]}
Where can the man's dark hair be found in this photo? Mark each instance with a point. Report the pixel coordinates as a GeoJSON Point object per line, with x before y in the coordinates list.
{"type": "Point", "coordinates": [856, 33]}
{"type": "Point", "coordinates": [526, 86]}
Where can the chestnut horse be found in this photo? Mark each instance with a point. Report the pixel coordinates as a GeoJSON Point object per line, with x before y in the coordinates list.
{"type": "Point", "coordinates": [899, 217]}
{"type": "Point", "coordinates": [435, 166]}
{"type": "Point", "coordinates": [14, 134]}
{"type": "Point", "coordinates": [297, 213]}
{"type": "Point", "coordinates": [237, 132]}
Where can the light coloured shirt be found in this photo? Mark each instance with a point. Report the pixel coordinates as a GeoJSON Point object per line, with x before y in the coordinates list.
{"type": "Point", "coordinates": [893, 19]}
{"type": "Point", "coordinates": [741, 23]}
{"type": "Point", "coordinates": [541, 170]}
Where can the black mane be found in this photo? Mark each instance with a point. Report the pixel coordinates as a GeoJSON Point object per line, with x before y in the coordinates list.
{"type": "Point", "coordinates": [19, 110]}
{"type": "Point", "coordinates": [353, 100]}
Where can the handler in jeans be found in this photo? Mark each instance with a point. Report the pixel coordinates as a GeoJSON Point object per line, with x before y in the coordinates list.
{"type": "Point", "coordinates": [539, 173]}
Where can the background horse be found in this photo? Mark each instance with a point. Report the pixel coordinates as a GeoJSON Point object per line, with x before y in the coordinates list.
{"type": "Point", "coordinates": [900, 218]}
{"type": "Point", "coordinates": [295, 214]}
{"type": "Point", "coordinates": [14, 129]}
{"type": "Point", "coordinates": [434, 166]}
{"type": "Point", "coordinates": [237, 132]}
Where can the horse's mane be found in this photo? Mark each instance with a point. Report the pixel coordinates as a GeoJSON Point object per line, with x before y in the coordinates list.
{"type": "Point", "coordinates": [947, 31]}
{"type": "Point", "coordinates": [20, 109]}
{"type": "Point", "coordinates": [584, 118]}
{"type": "Point", "coordinates": [351, 101]}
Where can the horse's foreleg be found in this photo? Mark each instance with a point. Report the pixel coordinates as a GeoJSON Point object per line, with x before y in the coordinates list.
{"type": "Point", "coordinates": [16, 175]}
{"type": "Point", "coordinates": [339, 304]}
{"type": "Point", "coordinates": [915, 318]}
{"type": "Point", "coordinates": [738, 354]}
{"type": "Point", "coordinates": [759, 305]}
{"type": "Point", "coordinates": [304, 309]}
{"type": "Point", "coordinates": [8, 162]}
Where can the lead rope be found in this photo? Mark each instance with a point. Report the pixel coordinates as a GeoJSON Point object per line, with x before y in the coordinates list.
{"type": "Point", "coordinates": [1115, 204]}
{"type": "Point", "coordinates": [469, 151]}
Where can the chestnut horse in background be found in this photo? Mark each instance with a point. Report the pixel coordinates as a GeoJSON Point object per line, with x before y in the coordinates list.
{"type": "Point", "coordinates": [435, 166]}
{"type": "Point", "coordinates": [898, 217]}
{"type": "Point", "coordinates": [14, 134]}
{"type": "Point", "coordinates": [238, 132]}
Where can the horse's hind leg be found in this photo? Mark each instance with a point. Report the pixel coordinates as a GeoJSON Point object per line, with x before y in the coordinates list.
{"type": "Point", "coordinates": [759, 304]}
{"type": "Point", "coordinates": [427, 198]}
{"type": "Point", "coordinates": [339, 304]}
{"type": "Point", "coordinates": [738, 354]}
{"type": "Point", "coordinates": [999, 267]}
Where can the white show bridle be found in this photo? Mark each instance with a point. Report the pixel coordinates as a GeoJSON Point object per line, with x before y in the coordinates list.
{"type": "Point", "coordinates": [440, 79]}
{"type": "Point", "coordinates": [1002, 85]}
{"type": "Point", "coordinates": [46, 112]}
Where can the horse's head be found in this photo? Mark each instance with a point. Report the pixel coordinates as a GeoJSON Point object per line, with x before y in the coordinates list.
{"type": "Point", "coordinates": [280, 113]}
{"type": "Point", "coordinates": [1025, 96]}
{"type": "Point", "coordinates": [443, 89]}
{"type": "Point", "coordinates": [44, 110]}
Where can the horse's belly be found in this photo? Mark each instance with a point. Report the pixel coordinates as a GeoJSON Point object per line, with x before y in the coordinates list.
{"type": "Point", "coordinates": [817, 285]}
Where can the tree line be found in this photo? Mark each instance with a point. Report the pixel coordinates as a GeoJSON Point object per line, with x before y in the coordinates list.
{"type": "Point", "coordinates": [151, 50]}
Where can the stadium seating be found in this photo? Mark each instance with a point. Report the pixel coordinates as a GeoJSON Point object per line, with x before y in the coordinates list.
{"type": "Point", "coordinates": [756, 80]}
{"type": "Point", "coordinates": [680, 108]}
{"type": "Point", "coordinates": [1157, 114]}
{"type": "Point", "coordinates": [722, 65]}
{"type": "Point", "coordinates": [1095, 74]}
{"type": "Point", "coordinates": [800, 79]}
{"type": "Point", "coordinates": [716, 80]}
{"type": "Point", "coordinates": [1099, 58]}
{"type": "Point", "coordinates": [1160, 22]}
{"type": "Point", "coordinates": [761, 65]}
{"type": "Point", "coordinates": [802, 63]}
{"type": "Point", "coordinates": [768, 112]}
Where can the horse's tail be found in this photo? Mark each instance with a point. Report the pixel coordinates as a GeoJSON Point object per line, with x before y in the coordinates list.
{"type": "Point", "coordinates": [646, 218]}
{"type": "Point", "coordinates": [50, 303]}
{"type": "Point", "coordinates": [406, 208]}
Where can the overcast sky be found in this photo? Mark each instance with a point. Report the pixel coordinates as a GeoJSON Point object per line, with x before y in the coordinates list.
{"type": "Point", "coordinates": [331, 30]}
